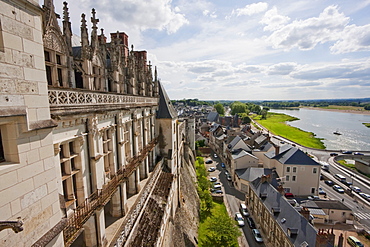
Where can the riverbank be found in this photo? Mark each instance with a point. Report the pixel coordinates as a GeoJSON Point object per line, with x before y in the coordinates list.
{"type": "Point", "coordinates": [276, 124]}
{"type": "Point", "coordinates": [363, 112]}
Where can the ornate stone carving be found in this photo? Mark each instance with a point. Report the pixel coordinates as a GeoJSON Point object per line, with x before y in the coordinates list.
{"type": "Point", "coordinates": [53, 41]}
{"type": "Point", "coordinates": [16, 226]}
{"type": "Point", "coordinates": [93, 125]}
{"type": "Point", "coordinates": [56, 148]}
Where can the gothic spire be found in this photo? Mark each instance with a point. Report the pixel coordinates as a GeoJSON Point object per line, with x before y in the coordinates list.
{"type": "Point", "coordinates": [67, 30]}
{"type": "Point", "coordinates": [102, 37]}
{"type": "Point", "coordinates": [94, 33]}
{"type": "Point", "coordinates": [50, 17]}
{"type": "Point", "coordinates": [155, 73]}
{"type": "Point", "coordinates": [84, 34]}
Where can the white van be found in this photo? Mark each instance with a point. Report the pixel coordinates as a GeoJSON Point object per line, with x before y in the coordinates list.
{"type": "Point", "coordinates": [340, 177]}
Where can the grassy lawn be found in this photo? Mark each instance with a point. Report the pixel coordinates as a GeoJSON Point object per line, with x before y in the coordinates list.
{"type": "Point", "coordinates": [366, 124]}
{"type": "Point", "coordinates": [350, 166]}
{"type": "Point", "coordinates": [275, 123]}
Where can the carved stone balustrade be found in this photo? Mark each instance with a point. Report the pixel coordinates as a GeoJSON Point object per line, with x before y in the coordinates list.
{"type": "Point", "coordinates": [78, 100]}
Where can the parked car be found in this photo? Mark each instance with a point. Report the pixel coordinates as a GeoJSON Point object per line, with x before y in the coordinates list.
{"type": "Point", "coordinates": [355, 189]}
{"type": "Point", "coordinates": [322, 192]}
{"type": "Point", "coordinates": [251, 223]}
{"type": "Point", "coordinates": [329, 182]}
{"type": "Point", "coordinates": [313, 197]}
{"type": "Point", "coordinates": [348, 183]}
{"type": "Point", "coordinates": [333, 154]}
{"type": "Point", "coordinates": [229, 177]}
{"type": "Point", "coordinates": [239, 219]}
{"type": "Point", "coordinates": [216, 183]}
{"type": "Point", "coordinates": [223, 165]}
{"type": "Point", "coordinates": [212, 169]}
{"type": "Point", "coordinates": [215, 155]}
{"type": "Point", "coordinates": [338, 189]}
{"type": "Point", "coordinates": [213, 179]}
{"type": "Point", "coordinates": [347, 152]}
{"type": "Point", "coordinates": [209, 161]}
{"type": "Point", "coordinates": [289, 195]}
{"type": "Point", "coordinates": [358, 153]}
{"type": "Point", "coordinates": [226, 173]}
{"type": "Point", "coordinates": [217, 186]}
{"type": "Point", "coordinates": [244, 210]}
{"type": "Point", "coordinates": [257, 235]}
{"type": "Point", "coordinates": [364, 195]}
{"type": "Point", "coordinates": [217, 191]}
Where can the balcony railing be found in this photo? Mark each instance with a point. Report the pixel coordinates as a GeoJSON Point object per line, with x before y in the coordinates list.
{"type": "Point", "coordinates": [101, 197]}
{"type": "Point", "coordinates": [77, 97]}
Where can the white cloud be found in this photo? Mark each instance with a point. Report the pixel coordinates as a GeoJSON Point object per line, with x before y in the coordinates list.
{"type": "Point", "coordinates": [359, 71]}
{"type": "Point", "coordinates": [152, 14]}
{"type": "Point", "coordinates": [306, 34]}
{"type": "Point", "coordinates": [282, 68]}
{"type": "Point", "coordinates": [210, 14]}
{"type": "Point", "coordinates": [353, 39]}
{"type": "Point", "coordinates": [251, 9]}
{"type": "Point", "coordinates": [273, 20]}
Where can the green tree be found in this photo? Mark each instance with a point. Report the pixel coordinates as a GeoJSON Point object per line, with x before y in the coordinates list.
{"type": "Point", "coordinates": [245, 118]}
{"type": "Point", "coordinates": [221, 231]}
{"type": "Point", "coordinates": [219, 108]}
{"type": "Point", "coordinates": [200, 143]}
{"type": "Point", "coordinates": [256, 109]}
{"type": "Point", "coordinates": [263, 114]}
{"type": "Point", "coordinates": [238, 107]}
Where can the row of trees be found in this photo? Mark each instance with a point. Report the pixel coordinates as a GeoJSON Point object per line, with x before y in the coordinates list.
{"type": "Point", "coordinates": [243, 110]}
{"type": "Point", "coordinates": [220, 229]}
{"type": "Point", "coordinates": [281, 104]}
{"type": "Point", "coordinates": [317, 103]}
{"type": "Point", "coordinates": [192, 102]}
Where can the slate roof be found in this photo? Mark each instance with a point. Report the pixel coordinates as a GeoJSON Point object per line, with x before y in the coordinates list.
{"type": "Point", "coordinates": [76, 51]}
{"type": "Point", "coordinates": [290, 155]}
{"type": "Point", "coordinates": [237, 154]}
{"type": "Point", "coordinates": [288, 217]}
{"type": "Point", "coordinates": [251, 173]}
{"type": "Point", "coordinates": [235, 141]}
{"type": "Point", "coordinates": [212, 116]}
{"type": "Point", "coordinates": [264, 148]}
{"type": "Point", "coordinates": [214, 127]}
{"type": "Point", "coordinates": [165, 108]}
{"type": "Point", "coordinates": [332, 204]}
{"type": "Point", "coordinates": [259, 140]}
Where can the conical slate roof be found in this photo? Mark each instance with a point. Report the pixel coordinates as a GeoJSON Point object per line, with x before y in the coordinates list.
{"type": "Point", "coordinates": [165, 108]}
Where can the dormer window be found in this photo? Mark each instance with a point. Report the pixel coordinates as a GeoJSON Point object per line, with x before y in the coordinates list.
{"type": "Point", "coordinates": [263, 195]}
{"type": "Point", "coordinates": [292, 232]}
{"type": "Point", "coordinates": [275, 210]}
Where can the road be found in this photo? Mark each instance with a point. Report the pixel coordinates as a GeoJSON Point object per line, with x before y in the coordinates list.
{"type": "Point", "coordinates": [233, 197]}
{"type": "Point", "coordinates": [359, 205]}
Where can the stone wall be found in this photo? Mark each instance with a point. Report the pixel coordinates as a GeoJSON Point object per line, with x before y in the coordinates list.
{"type": "Point", "coordinates": [183, 228]}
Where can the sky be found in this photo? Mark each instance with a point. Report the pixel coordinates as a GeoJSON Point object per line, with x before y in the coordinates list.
{"type": "Point", "coordinates": [244, 50]}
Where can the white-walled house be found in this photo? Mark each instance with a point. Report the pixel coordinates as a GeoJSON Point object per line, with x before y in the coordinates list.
{"type": "Point", "coordinates": [299, 173]}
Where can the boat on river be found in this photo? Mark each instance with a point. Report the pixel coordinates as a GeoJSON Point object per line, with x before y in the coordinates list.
{"type": "Point", "coordinates": [337, 133]}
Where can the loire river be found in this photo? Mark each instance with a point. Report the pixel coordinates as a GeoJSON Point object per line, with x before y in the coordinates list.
{"type": "Point", "coordinates": [355, 136]}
